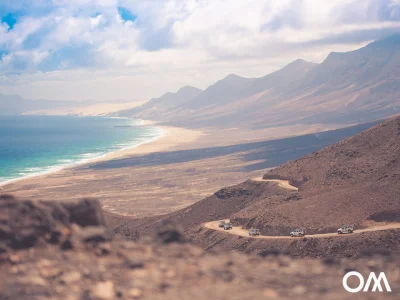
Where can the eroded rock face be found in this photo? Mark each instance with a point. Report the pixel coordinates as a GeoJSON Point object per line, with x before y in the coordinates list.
{"type": "Point", "coordinates": [169, 232]}
{"type": "Point", "coordinates": [24, 223]}
{"type": "Point", "coordinates": [85, 212]}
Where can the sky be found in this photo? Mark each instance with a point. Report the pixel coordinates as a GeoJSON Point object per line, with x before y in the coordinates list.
{"type": "Point", "coordinates": [111, 50]}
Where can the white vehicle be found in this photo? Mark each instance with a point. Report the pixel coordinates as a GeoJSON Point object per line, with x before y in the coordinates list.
{"type": "Point", "coordinates": [254, 232]}
{"type": "Point", "coordinates": [227, 226]}
{"type": "Point", "coordinates": [298, 232]}
{"type": "Point", "coordinates": [346, 229]}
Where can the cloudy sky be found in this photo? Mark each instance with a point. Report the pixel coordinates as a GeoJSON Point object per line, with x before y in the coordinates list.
{"type": "Point", "coordinates": [137, 49]}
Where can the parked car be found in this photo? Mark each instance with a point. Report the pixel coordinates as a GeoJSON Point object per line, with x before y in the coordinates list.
{"type": "Point", "coordinates": [254, 232]}
{"type": "Point", "coordinates": [298, 232]}
{"type": "Point", "coordinates": [346, 229]}
{"type": "Point", "coordinates": [227, 226]}
{"type": "Point", "coordinates": [221, 224]}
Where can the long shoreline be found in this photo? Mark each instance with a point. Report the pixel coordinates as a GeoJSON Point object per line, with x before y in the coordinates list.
{"type": "Point", "coordinates": [159, 143]}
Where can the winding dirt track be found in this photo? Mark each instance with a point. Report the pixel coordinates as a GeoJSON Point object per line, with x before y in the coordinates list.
{"type": "Point", "coordinates": [282, 183]}
{"type": "Point", "coordinates": [243, 232]}
{"type": "Point", "coordinates": [213, 225]}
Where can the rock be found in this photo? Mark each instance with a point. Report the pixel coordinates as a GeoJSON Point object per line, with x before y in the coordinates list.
{"type": "Point", "coordinates": [138, 274]}
{"type": "Point", "coordinates": [272, 252]}
{"type": "Point", "coordinates": [24, 222]}
{"type": "Point", "coordinates": [50, 272]}
{"type": "Point", "coordinates": [67, 245]}
{"type": "Point", "coordinates": [94, 234]}
{"type": "Point", "coordinates": [85, 212]}
{"type": "Point", "coordinates": [299, 289]}
{"type": "Point", "coordinates": [134, 263]}
{"type": "Point", "coordinates": [70, 277]}
{"type": "Point", "coordinates": [135, 293]}
{"type": "Point", "coordinates": [270, 293]}
{"type": "Point", "coordinates": [224, 275]}
{"type": "Point", "coordinates": [14, 258]}
{"type": "Point", "coordinates": [168, 232]}
{"type": "Point", "coordinates": [103, 249]}
{"type": "Point", "coordinates": [18, 269]}
{"type": "Point", "coordinates": [3, 248]}
{"type": "Point", "coordinates": [32, 280]}
{"type": "Point", "coordinates": [86, 273]}
{"type": "Point", "coordinates": [7, 197]}
{"type": "Point", "coordinates": [48, 269]}
{"type": "Point", "coordinates": [170, 273]}
{"type": "Point", "coordinates": [45, 263]}
{"type": "Point", "coordinates": [5, 232]}
{"type": "Point", "coordinates": [104, 290]}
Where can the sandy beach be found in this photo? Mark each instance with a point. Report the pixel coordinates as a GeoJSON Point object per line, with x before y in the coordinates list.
{"type": "Point", "coordinates": [178, 169]}
{"type": "Point", "coordinates": [132, 190]}
{"type": "Point", "coordinates": [170, 137]}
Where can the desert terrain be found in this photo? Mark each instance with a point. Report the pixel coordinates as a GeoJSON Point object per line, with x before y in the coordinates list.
{"type": "Point", "coordinates": [236, 129]}
{"type": "Point", "coordinates": [62, 250]}
{"type": "Point", "coordinates": [175, 171]}
{"type": "Point", "coordinates": [353, 181]}
{"type": "Point", "coordinates": [260, 150]}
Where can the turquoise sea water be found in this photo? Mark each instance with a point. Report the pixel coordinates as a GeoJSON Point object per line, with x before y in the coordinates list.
{"type": "Point", "coordinates": [31, 145]}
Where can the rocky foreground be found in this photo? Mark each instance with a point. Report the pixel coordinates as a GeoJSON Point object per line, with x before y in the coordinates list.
{"type": "Point", "coordinates": [52, 250]}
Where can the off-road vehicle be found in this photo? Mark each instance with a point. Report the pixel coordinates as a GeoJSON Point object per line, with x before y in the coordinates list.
{"type": "Point", "coordinates": [346, 229]}
{"type": "Point", "coordinates": [298, 232]}
{"type": "Point", "coordinates": [227, 226]}
{"type": "Point", "coordinates": [221, 224]}
{"type": "Point", "coordinates": [254, 232]}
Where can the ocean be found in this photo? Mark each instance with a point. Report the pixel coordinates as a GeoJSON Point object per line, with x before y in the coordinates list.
{"type": "Point", "coordinates": [32, 145]}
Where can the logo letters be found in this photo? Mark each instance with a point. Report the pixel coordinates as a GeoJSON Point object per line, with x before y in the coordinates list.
{"type": "Point", "coordinates": [371, 277]}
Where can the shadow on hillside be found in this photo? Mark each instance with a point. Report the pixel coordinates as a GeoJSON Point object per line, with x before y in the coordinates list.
{"type": "Point", "coordinates": [270, 153]}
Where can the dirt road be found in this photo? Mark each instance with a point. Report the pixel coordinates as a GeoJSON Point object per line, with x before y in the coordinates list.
{"type": "Point", "coordinates": [282, 183]}
{"type": "Point", "coordinates": [243, 232]}
{"type": "Point", "coordinates": [285, 184]}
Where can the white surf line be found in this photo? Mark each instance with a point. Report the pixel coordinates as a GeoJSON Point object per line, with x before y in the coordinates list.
{"type": "Point", "coordinates": [84, 161]}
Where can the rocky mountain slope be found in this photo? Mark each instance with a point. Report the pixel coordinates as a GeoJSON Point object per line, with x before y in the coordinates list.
{"type": "Point", "coordinates": [52, 250]}
{"type": "Point", "coordinates": [349, 87]}
{"type": "Point", "coordinates": [355, 181]}
{"type": "Point", "coordinates": [160, 108]}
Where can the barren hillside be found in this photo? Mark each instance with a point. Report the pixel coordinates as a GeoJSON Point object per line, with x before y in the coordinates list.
{"type": "Point", "coordinates": [160, 108]}
{"type": "Point", "coordinates": [355, 181]}
{"type": "Point", "coordinates": [346, 88]}
{"type": "Point", "coordinates": [53, 250]}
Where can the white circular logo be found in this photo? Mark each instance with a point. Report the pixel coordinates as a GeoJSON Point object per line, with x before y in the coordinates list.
{"type": "Point", "coordinates": [346, 286]}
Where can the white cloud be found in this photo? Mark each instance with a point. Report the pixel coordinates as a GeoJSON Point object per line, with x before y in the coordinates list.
{"type": "Point", "coordinates": [84, 48]}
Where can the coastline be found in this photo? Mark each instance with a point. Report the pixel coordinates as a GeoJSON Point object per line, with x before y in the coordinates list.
{"type": "Point", "coordinates": [178, 169]}
{"type": "Point", "coordinates": [168, 137]}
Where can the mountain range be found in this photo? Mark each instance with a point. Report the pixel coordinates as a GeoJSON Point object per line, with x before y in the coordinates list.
{"type": "Point", "coordinates": [15, 105]}
{"type": "Point", "coordinates": [346, 88]}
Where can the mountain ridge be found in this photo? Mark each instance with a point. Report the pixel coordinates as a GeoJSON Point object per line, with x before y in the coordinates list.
{"type": "Point", "coordinates": [347, 87]}
{"type": "Point", "coordinates": [15, 104]}
{"type": "Point", "coordinates": [167, 101]}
